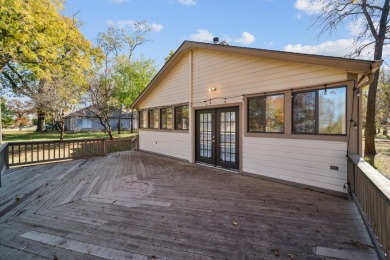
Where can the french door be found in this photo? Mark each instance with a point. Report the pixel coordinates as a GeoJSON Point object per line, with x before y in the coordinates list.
{"type": "Point", "coordinates": [217, 137]}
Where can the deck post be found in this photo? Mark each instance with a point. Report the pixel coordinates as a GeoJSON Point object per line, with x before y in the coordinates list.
{"type": "Point", "coordinates": [85, 149]}
{"type": "Point", "coordinates": [6, 157]}
{"type": "Point", "coordinates": [104, 147]}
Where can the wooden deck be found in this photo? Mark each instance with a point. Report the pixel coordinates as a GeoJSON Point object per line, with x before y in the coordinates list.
{"type": "Point", "coordinates": [134, 205]}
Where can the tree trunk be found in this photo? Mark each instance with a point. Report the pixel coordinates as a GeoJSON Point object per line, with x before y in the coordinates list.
{"type": "Point", "coordinates": [41, 126]}
{"type": "Point", "coordinates": [110, 134]}
{"type": "Point", "coordinates": [120, 120]}
{"type": "Point", "coordinates": [62, 130]}
{"type": "Point", "coordinates": [108, 128]}
{"type": "Point", "coordinates": [370, 131]}
{"type": "Point", "coordinates": [369, 142]}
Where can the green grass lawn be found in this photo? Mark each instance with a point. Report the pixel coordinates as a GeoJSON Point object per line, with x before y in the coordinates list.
{"type": "Point", "coordinates": [22, 136]}
{"type": "Point", "coordinates": [382, 137]}
{"type": "Point", "coordinates": [382, 158]}
{"type": "Point", "coordinates": [381, 161]}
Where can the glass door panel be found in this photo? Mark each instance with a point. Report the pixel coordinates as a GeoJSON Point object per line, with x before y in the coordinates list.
{"type": "Point", "coordinates": [217, 137]}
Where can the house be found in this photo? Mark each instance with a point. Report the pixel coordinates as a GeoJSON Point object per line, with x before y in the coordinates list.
{"type": "Point", "coordinates": [85, 120]}
{"type": "Point", "coordinates": [277, 115]}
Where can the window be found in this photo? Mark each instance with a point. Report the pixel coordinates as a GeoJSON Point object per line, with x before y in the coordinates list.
{"type": "Point", "coordinates": [84, 123]}
{"type": "Point", "coordinates": [321, 111]}
{"type": "Point", "coordinates": [153, 118]}
{"type": "Point", "coordinates": [166, 114]}
{"type": "Point", "coordinates": [143, 119]}
{"type": "Point", "coordinates": [266, 114]}
{"type": "Point", "coordinates": [181, 118]}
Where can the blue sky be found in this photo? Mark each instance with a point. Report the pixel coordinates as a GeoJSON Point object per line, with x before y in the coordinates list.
{"type": "Point", "coordinates": [268, 24]}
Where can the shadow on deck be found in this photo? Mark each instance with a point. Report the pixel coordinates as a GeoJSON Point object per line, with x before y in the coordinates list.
{"type": "Point", "coordinates": [133, 205]}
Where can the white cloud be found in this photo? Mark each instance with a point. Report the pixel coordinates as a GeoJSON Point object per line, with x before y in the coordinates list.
{"type": "Point", "coordinates": [155, 27]}
{"type": "Point", "coordinates": [338, 48]}
{"type": "Point", "coordinates": [110, 22]}
{"type": "Point", "coordinates": [203, 35]}
{"type": "Point", "coordinates": [187, 2]}
{"type": "Point", "coordinates": [118, 1]}
{"type": "Point", "coordinates": [309, 8]}
{"type": "Point", "coordinates": [246, 38]}
{"type": "Point", "coordinates": [124, 23]}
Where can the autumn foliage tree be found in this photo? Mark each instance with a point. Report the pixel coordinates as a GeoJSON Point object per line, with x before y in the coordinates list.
{"type": "Point", "coordinates": [20, 110]}
{"type": "Point", "coordinates": [37, 44]}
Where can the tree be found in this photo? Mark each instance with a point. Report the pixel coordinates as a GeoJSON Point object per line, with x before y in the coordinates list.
{"type": "Point", "coordinates": [104, 92]}
{"type": "Point", "coordinates": [131, 42]}
{"type": "Point", "coordinates": [169, 56]}
{"type": "Point", "coordinates": [370, 17]}
{"type": "Point", "coordinates": [100, 93]}
{"type": "Point", "coordinates": [37, 41]}
{"type": "Point", "coordinates": [131, 78]}
{"type": "Point", "coordinates": [100, 96]}
{"type": "Point", "coordinates": [58, 96]}
{"type": "Point", "coordinates": [20, 110]}
{"type": "Point", "coordinates": [7, 117]}
{"type": "Point", "coordinates": [383, 100]}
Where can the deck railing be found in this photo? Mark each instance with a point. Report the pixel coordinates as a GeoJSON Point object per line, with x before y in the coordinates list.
{"type": "Point", "coordinates": [24, 153]}
{"type": "Point", "coordinates": [372, 191]}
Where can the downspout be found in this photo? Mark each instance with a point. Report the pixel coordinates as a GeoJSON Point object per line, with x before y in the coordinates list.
{"type": "Point", "coordinates": [373, 68]}
{"type": "Point", "coordinates": [360, 85]}
{"type": "Point", "coordinates": [365, 80]}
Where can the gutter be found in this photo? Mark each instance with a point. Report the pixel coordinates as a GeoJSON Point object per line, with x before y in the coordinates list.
{"type": "Point", "coordinates": [374, 67]}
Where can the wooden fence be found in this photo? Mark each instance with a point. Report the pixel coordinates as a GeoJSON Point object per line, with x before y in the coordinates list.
{"type": "Point", "coordinates": [372, 191]}
{"type": "Point", "coordinates": [25, 153]}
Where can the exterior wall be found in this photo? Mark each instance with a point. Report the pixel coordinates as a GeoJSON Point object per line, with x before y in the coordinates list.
{"type": "Point", "coordinates": [292, 158]}
{"type": "Point", "coordinates": [174, 144]}
{"type": "Point", "coordinates": [235, 75]}
{"type": "Point", "coordinates": [173, 89]}
{"type": "Point", "coordinates": [301, 161]}
{"type": "Point", "coordinates": [71, 124]}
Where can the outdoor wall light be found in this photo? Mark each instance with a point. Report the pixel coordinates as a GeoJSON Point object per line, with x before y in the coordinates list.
{"type": "Point", "coordinates": [212, 89]}
{"type": "Point", "coordinates": [358, 93]}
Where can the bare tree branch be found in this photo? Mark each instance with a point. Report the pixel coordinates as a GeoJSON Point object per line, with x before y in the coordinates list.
{"type": "Point", "coordinates": [369, 20]}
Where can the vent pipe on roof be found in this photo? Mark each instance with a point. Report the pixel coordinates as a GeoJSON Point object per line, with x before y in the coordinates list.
{"type": "Point", "coordinates": [216, 40]}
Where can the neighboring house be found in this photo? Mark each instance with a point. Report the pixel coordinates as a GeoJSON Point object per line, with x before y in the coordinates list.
{"type": "Point", "coordinates": [278, 115]}
{"type": "Point", "coordinates": [85, 120]}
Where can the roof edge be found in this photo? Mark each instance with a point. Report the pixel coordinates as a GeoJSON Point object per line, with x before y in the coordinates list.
{"type": "Point", "coordinates": [358, 66]}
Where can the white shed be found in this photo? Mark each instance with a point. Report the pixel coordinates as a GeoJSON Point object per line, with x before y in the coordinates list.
{"type": "Point", "coordinates": [284, 116]}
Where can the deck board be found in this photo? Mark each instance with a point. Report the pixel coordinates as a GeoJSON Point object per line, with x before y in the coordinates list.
{"type": "Point", "coordinates": [138, 205]}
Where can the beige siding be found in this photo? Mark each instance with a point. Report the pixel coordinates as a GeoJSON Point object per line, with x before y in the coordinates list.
{"type": "Point", "coordinates": [235, 75]}
{"type": "Point", "coordinates": [173, 89]}
{"type": "Point", "coordinates": [174, 144]}
{"type": "Point", "coordinates": [301, 161]}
